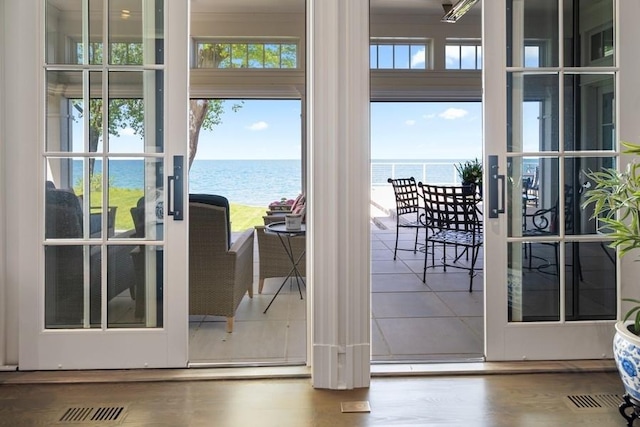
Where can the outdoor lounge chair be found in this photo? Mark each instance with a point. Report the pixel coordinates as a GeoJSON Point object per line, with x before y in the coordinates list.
{"type": "Point", "coordinates": [219, 274]}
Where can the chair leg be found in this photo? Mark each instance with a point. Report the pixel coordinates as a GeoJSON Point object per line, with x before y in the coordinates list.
{"type": "Point", "coordinates": [260, 285]}
{"type": "Point", "coordinates": [230, 324]}
{"type": "Point", "coordinates": [250, 290]}
{"type": "Point", "coordinates": [415, 245]}
{"type": "Point", "coordinates": [395, 250]}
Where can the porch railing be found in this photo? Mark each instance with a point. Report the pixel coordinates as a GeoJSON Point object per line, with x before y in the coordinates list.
{"type": "Point", "coordinates": [436, 172]}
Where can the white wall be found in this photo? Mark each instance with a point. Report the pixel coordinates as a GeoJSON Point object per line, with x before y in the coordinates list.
{"type": "Point", "coordinates": [3, 281]}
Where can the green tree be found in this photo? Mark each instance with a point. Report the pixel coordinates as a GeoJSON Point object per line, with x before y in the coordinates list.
{"type": "Point", "coordinates": [206, 114]}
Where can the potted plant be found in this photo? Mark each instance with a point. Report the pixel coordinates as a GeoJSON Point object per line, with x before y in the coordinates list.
{"type": "Point", "coordinates": [470, 173]}
{"type": "Point", "coordinates": [616, 206]}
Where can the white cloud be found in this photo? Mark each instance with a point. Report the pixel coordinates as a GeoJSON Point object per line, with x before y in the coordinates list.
{"type": "Point", "coordinates": [410, 122]}
{"type": "Point", "coordinates": [429, 116]}
{"type": "Point", "coordinates": [417, 58]}
{"type": "Point", "coordinates": [127, 132]}
{"type": "Point", "coordinates": [453, 113]}
{"type": "Point", "coordinates": [258, 126]}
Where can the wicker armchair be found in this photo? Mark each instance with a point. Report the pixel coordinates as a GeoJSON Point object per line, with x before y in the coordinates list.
{"type": "Point", "coordinates": [219, 275]}
{"type": "Point", "coordinates": [274, 261]}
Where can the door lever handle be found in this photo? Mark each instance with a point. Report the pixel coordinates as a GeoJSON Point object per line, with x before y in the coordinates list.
{"type": "Point", "coordinates": [175, 194]}
{"type": "Point", "coordinates": [495, 207]}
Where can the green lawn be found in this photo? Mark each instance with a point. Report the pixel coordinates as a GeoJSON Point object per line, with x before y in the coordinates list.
{"type": "Point", "coordinates": [242, 217]}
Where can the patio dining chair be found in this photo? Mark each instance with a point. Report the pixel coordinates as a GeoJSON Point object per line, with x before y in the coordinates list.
{"type": "Point", "coordinates": [545, 222]}
{"type": "Point", "coordinates": [453, 219]}
{"type": "Point", "coordinates": [408, 210]}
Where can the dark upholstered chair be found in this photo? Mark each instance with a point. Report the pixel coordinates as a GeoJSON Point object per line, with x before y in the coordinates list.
{"type": "Point", "coordinates": [64, 264]}
{"type": "Point", "coordinates": [220, 274]}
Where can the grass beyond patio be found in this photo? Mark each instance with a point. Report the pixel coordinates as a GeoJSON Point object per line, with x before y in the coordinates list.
{"type": "Point", "coordinates": [242, 216]}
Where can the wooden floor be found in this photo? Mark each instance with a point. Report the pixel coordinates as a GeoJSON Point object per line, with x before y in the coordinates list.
{"type": "Point", "coordinates": [510, 400]}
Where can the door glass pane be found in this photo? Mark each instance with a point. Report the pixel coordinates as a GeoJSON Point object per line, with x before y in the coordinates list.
{"type": "Point", "coordinates": [534, 23]}
{"type": "Point", "coordinates": [533, 281]}
{"type": "Point", "coordinates": [577, 219]}
{"type": "Point", "coordinates": [125, 32]}
{"type": "Point", "coordinates": [589, 112]}
{"type": "Point", "coordinates": [64, 273]}
{"type": "Point", "coordinates": [533, 107]}
{"type": "Point", "coordinates": [533, 198]}
{"type": "Point", "coordinates": [148, 309]}
{"type": "Point", "coordinates": [95, 112]}
{"type": "Point", "coordinates": [589, 34]}
{"type": "Point", "coordinates": [590, 277]}
{"type": "Point", "coordinates": [135, 126]}
{"type": "Point", "coordinates": [64, 126]}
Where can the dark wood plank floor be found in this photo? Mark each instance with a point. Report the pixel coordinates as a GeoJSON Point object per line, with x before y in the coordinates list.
{"type": "Point", "coordinates": [496, 400]}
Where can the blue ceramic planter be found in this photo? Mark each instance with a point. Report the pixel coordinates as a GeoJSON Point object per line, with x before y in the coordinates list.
{"type": "Point", "coordinates": [626, 351]}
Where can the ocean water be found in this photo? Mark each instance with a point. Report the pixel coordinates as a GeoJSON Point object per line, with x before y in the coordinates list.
{"type": "Point", "coordinates": [260, 182]}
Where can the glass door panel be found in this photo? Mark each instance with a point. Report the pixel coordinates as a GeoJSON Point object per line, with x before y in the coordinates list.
{"type": "Point", "coordinates": [560, 122]}
{"type": "Point", "coordinates": [104, 157]}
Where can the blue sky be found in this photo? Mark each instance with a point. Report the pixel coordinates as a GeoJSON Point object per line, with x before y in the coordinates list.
{"type": "Point", "coordinates": [271, 130]}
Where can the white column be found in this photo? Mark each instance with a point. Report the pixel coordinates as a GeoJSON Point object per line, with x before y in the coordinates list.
{"type": "Point", "coordinates": [23, 175]}
{"type": "Point", "coordinates": [628, 99]}
{"type": "Point", "coordinates": [339, 192]}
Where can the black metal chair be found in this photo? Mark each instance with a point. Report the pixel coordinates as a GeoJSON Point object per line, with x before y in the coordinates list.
{"type": "Point", "coordinates": [408, 210]}
{"type": "Point", "coordinates": [453, 219]}
{"type": "Point", "coordinates": [545, 222]}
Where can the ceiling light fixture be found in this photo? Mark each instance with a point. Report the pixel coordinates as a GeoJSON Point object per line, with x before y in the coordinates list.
{"type": "Point", "coordinates": [457, 11]}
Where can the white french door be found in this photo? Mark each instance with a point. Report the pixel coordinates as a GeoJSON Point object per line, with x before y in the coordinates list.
{"type": "Point", "coordinates": [111, 191]}
{"type": "Point", "coordinates": [553, 90]}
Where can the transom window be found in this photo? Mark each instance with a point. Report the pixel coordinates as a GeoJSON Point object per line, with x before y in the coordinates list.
{"type": "Point", "coordinates": [222, 54]}
{"type": "Point", "coordinates": [399, 54]}
{"type": "Point", "coordinates": [463, 55]}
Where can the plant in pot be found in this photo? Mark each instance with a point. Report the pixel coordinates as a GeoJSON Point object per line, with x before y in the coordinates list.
{"type": "Point", "coordinates": [615, 198]}
{"type": "Point", "coordinates": [470, 173]}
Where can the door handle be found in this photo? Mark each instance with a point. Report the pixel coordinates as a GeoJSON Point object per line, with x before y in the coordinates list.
{"type": "Point", "coordinates": [495, 207]}
{"type": "Point", "coordinates": [175, 195]}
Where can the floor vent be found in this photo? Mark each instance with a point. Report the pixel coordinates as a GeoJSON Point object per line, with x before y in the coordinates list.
{"type": "Point", "coordinates": [593, 402]}
{"type": "Point", "coordinates": [107, 414]}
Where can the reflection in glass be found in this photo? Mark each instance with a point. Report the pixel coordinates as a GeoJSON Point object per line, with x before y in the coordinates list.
{"type": "Point", "coordinates": [534, 291]}
{"type": "Point", "coordinates": [539, 28]}
{"type": "Point", "coordinates": [62, 131]}
{"type": "Point", "coordinates": [590, 277]}
{"type": "Point", "coordinates": [123, 307]}
{"type": "Point", "coordinates": [65, 173]}
{"type": "Point", "coordinates": [132, 129]}
{"type": "Point", "coordinates": [589, 112]}
{"type": "Point", "coordinates": [533, 107]}
{"type": "Point", "coordinates": [61, 22]}
{"type": "Point", "coordinates": [96, 42]}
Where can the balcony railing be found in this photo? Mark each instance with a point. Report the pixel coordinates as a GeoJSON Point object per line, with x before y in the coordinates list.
{"type": "Point", "coordinates": [434, 172]}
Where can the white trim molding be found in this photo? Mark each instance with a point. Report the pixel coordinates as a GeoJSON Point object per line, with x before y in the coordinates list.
{"type": "Point", "coordinates": [339, 182]}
